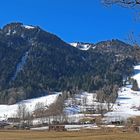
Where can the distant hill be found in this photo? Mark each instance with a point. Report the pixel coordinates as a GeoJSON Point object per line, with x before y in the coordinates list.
{"type": "Point", "coordinates": [34, 62]}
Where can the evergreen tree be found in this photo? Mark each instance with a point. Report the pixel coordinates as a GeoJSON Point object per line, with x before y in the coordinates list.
{"type": "Point", "coordinates": [135, 86]}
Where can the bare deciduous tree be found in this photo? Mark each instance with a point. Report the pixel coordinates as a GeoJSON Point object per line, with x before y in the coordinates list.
{"type": "Point", "coordinates": [22, 114]}
{"type": "Point", "coordinates": [107, 97]}
{"type": "Point", "coordinates": [129, 3]}
{"type": "Point", "coordinates": [56, 109]}
{"type": "Point", "coordinates": [39, 109]}
{"type": "Point", "coordinates": [21, 111]}
{"type": "Point", "coordinates": [111, 93]}
{"type": "Point", "coordinates": [100, 98]}
{"type": "Point", "coordinates": [29, 119]}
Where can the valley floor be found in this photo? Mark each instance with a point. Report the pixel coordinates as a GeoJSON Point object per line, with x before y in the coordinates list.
{"type": "Point", "coordinates": [82, 135]}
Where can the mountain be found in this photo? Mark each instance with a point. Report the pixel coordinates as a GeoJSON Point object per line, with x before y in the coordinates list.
{"type": "Point", "coordinates": [34, 62]}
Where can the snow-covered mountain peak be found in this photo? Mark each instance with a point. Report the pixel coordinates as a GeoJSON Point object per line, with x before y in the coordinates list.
{"type": "Point", "coordinates": [82, 46]}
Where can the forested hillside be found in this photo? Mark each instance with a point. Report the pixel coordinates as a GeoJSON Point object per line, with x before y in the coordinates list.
{"type": "Point", "coordinates": [34, 62]}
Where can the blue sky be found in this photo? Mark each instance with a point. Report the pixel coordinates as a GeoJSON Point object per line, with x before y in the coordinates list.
{"type": "Point", "coordinates": [72, 20]}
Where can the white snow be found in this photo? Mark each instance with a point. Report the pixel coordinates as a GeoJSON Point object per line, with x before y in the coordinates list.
{"type": "Point", "coordinates": [9, 32]}
{"type": "Point", "coordinates": [10, 110]}
{"type": "Point", "coordinates": [40, 128]}
{"type": "Point", "coordinates": [71, 127]}
{"type": "Point", "coordinates": [137, 74]}
{"type": "Point", "coordinates": [14, 32]}
{"type": "Point", "coordinates": [81, 46]}
{"type": "Point", "coordinates": [73, 44]}
{"type": "Point", "coordinates": [85, 47]}
{"type": "Point", "coordinates": [84, 126]}
{"type": "Point", "coordinates": [28, 27]}
{"type": "Point", "coordinates": [20, 65]}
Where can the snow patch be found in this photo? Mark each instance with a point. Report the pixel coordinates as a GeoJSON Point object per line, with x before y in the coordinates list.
{"type": "Point", "coordinates": [9, 32]}
{"type": "Point", "coordinates": [20, 65]}
{"type": "Point", "coordinates": [137, 74]}
{"type": "Point", "coordinates": [28, 27]}
{"type": "Point", "coordinates": [14, 32]}
{"type": "Point", "coordinates": [81, 46]}
{"type": "Point", "coordinates": [73, 44]}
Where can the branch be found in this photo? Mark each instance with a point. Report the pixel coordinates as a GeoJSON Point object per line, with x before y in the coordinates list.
{"type": "Point", "coordinates": [122, 2]}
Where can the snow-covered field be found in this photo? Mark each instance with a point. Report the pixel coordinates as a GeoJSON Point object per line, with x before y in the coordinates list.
{"type": "Point", "coordinates": [128, 101]}
{"type": "Point", "coordinates": [127, 104]}
{"type": "Point", "coordinates": [10, 110]}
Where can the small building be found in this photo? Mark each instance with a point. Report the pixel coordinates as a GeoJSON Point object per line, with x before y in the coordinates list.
{"type": "Point", "coordinates": [3, 124]}
{"type": "Point", "coordinates": [13, 120]}
{"type": "Point", "coordinates": [90, 110]}
{"type": "Point", "coordinates": [55, 122]}
{"type": "Point", "coordinates": [57, 128]}
{"type": "Point", "coordinates": [117, 122]}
